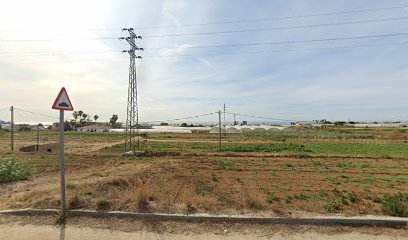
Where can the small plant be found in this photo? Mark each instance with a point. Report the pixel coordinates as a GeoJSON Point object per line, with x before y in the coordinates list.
{"type": "Point", "coordinates": [102, 204]}
{"type": "Point", "coordinates": [214, 177]}
{"type": "Point", "coordinates": [75, 202]}
{"type": "Point", "coordinates": [11, 171]}
{"type": "Point", "coordinates": [71, 185]}
{"type": "Point", "coordinates": [60, 219]}
{"type": "Point", "coordinates": [142, 201]}
{"type": "Point", "coordinates": [227, 200]}
{"type": "Point", "coordinates": [395, 205]}
{"type": "Point", "coordinates": [352, 197]}
{"type": "Point", "coordinates": [271, 198]}
{"type": "Point", "coordinates": [288, 199]}
{"type": "Point", "coordinates": [254, 201]}
{"type": "Point", "coordinates": [229, 165]}
{"type": "Point", "coordinates": [300, 196]}
{"type": "Point", "coordinates": [332, 206]}
{"type": "Point", "coordinates": [201, 189]}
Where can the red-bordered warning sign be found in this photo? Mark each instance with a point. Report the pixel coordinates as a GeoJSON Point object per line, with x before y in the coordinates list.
{"type": "Point", "coordinates": [62, 101]}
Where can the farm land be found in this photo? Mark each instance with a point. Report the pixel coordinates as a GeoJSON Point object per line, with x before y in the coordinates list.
{"type": "Point", "coordinates": [293, 172]}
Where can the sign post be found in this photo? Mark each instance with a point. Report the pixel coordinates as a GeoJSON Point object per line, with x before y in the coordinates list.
{"type": "Point", "coordinates": [62, 103]}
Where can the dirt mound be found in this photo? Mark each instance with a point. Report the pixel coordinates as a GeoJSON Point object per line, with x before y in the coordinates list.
{"type": "Point", "coordinates": [49, 147]}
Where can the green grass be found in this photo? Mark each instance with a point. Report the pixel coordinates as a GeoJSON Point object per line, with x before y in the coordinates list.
{"type": "Point", "coordinates": [211, 147]}
{"type": "Point", "coordinates": [360, 149]}
{"type": "Point", "coordinates": [307, 134]}
{"type": "Point", "coordinates": [389, 150]}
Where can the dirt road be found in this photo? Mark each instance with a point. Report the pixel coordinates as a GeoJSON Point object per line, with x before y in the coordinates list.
{"type": "Point", "coordinates": [22, 228]}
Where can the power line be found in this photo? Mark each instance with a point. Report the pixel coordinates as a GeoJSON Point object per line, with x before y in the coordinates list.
{"type": "Point", "coordinates": [184, 118]}
{"type": "Point", "coordinates": [277, 51]}
{"type": "Point", "coordinates": [245, 20]}
{"type": "Point", "coordinates": [42, 114]}
{"type": "Point", "coordinates": [273, 18]}
{"type": "Point", "coordinates": [222, 32]}
{"type": "Point", "coordinates": [56, 53]}
{"type": "Point", "coordinates": [223, 54]}
{"type": "Point", "coordinates": [289, 42]}
{"type": "Point", "coordinates": [266, 118]}
{"type": "Point", "coordinates": [56, 39]}
{"type": "Point", "coordinates": [279, 28]}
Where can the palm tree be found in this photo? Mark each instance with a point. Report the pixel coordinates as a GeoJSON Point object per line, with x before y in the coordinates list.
{"type": "Point", "coordinates": [96, 117]}
{"type": "Point", "coordinates": [75, 114]}
{"type": "Point", "coordinates": [113, 120]}
{"type": "Point", "coordinates": [80, 112]}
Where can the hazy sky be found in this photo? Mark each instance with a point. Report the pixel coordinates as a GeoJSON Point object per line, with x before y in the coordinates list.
{"type": "Point", "coordinates": [193, 63]}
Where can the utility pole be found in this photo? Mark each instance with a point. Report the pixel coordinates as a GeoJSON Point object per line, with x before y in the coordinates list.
{"type": "Point", "coordinates": [225, 123]}
{"type": "Point", "coordinates": [132, 115]}
{"type": "Point", "coordinates": [219, 127]}
{"type": "Point", "coordinates": [38, 136]}
{"type": "Point", "coordinates": [12, 128]}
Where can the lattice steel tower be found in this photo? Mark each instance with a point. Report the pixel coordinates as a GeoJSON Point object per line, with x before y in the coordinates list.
{"type": "Point", "coordinates": [132, 116]}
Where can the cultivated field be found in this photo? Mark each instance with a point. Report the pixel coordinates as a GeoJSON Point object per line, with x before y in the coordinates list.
{"type": "Point", "coordinates": [294, 172]}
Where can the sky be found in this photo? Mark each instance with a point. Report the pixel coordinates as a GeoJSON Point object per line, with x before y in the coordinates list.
{"type": "Point", "coordinates": [297, 60]}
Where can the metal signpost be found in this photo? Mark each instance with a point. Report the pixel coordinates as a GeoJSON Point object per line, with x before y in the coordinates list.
{"type": "Point", "coordinates": [62, 103]}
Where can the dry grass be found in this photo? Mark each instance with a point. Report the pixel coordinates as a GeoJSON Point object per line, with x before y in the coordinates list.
{"type": "Point", "coordinates": [215, 182]}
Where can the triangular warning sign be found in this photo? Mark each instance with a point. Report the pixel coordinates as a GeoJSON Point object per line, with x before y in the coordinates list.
{"type": "Point", "coordinates": [62, 101]}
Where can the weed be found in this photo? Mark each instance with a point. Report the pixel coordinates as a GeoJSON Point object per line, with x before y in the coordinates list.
{"type": "Point", "coordinates": [102, 204]}
{"type": "Point", "coordinates": [254, 201]}
{"type": "Point", "coordinates": [332, 206]}
{"type": "Point", "coordinates": [11, 170]}
{"type": "Point", "coordinates": [194, 171]}
{"type": "Point", "coordinates": [225, 199]}
{"type": "Point", "coordinates": [214, 177]}
{"type": "Point", "coordinates": [288, 199]}
{"type": "Point", "coordinates": [289, 165]}
{"type": "Point", "coordinates": [333, 180]}
{"type": "Point", "coordinates": [300, 196]}
{"type": "Point", "coordinates": [75, 202]}
{"type": "Point", "coordinates": [271, 198]}
{"type": "Point", "coordinates": [352, 197]}
{"type": "Point", "coordinates": [396, 205]}
{"type": "Point", "coordinates": [375, 199]}
{"type": "Point", "coordinates": [60, 219]}
{"type": "Point", "coordinates": [226, 164]}
{"type": "Point", "coordinates": [142, 200]}
{"type": "Point", "coordinates": [96, 174]}
{"type": "Point", "coordinates": [201, 189]}
{"type": "Point", "coordinates": [71, 185]}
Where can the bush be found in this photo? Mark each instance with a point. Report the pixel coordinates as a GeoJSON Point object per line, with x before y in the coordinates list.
{"type": "Point", "coordinates": [10, 171]}
{"type": "Point", "coordinates": [332, 206]}
{"type": "Point", "coordinates": [396, 205]}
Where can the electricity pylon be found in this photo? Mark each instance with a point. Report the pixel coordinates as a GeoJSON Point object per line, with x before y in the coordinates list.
{"type": "Point", "coordinates": [132, 115]}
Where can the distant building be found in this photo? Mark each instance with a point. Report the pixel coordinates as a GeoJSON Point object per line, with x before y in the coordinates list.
{"type": "Point", "coordinates": [94, 128]}
{"type": "Point", "coordinates": [244, 122]}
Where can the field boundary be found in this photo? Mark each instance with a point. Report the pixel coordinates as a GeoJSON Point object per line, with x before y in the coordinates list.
{"type": "Point", "coordinates": [379, 221]}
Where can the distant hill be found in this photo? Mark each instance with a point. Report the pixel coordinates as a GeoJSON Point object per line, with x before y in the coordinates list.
{"type": "Point", "coordinates": [4, 122]}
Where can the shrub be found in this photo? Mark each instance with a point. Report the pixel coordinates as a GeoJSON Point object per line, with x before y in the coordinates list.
{"type": "Point", "coordinates": [254, 201]}
{"type": "Point", "coordinates": [11, 171]}
{"type": "Point", "coordinates": [332, 206]}
{"type": "Point", "coordinates": [352, 197]}
{"type": "Point", "coordinates": [102, 204]}
{"type": "Point", "coordinates": [271, 198]}
{"type": "Point", "coordinates": [396, 205]}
